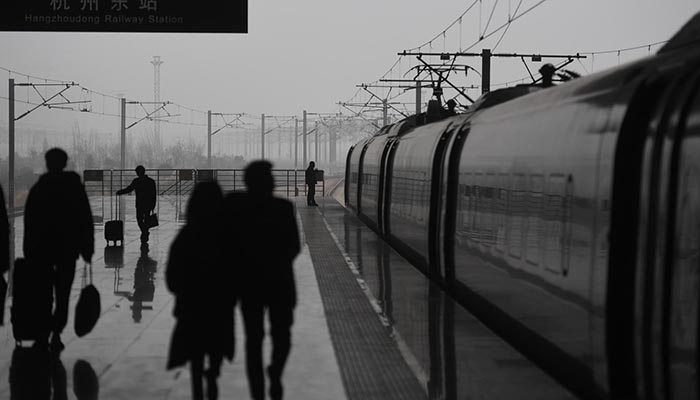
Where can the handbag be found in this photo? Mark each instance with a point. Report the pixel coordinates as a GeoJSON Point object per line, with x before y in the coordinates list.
{"type": "Point", "coordinates": [152, 220]}
{"type": "Point", "coordinates": [87, 310]}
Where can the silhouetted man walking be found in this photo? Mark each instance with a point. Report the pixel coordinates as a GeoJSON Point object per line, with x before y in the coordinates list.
{"type": "Point", "coordinates": [267, 238]}
{"type": "Point", "coordinates": [310, 178]}
{"type": "Point", "coordinates": [57, 228]}
{"type": "Point", "coordinates": [145, 188]}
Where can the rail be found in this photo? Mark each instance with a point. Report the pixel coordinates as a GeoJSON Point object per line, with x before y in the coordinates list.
{"type": "Point", "coordinates": [175, 185]}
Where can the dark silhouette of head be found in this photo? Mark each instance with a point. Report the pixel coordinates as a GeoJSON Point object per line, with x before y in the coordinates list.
{"type": "Point", "coordinates": [205, 203]}
{"type": "Point", "coordinates": [451, 104]}
{"type": "Point", "coordinates": [56, 159]}
{"type": "Point", "coordinates": [140, 170]}
{"type": "Point", "coordinates": [312, 164]}
{"type": "Point", "coordinates": [547, 72]}
{"type": "Point", "coordinates": [258, 178]}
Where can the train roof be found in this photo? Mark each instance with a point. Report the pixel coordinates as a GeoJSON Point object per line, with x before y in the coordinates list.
{"type": "Point", "coordinates": [687, 36]}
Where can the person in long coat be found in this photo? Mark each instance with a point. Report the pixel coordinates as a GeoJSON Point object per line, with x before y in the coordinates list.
{"type": "Point", "coordinates": [58, 228]}
{"type": "Point", "coordinates": [266, 241]}
{"type": "Point", "coordinates": [204, 300]}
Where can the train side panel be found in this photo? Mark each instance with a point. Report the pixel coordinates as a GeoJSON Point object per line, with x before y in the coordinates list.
{"type": "Point", "coordinates": [529, 216]}
{"type": "Point", "coordinates": [410, 190]}
{"type": "Point", "coordinates": [372, 180]}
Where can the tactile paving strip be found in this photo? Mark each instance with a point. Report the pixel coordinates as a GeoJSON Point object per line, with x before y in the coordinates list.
{"type": "Point", "coordinates": [370, 362]}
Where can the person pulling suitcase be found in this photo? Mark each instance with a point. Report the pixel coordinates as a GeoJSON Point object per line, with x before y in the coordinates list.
{"type": "Point", "coordinates": [145, 188]}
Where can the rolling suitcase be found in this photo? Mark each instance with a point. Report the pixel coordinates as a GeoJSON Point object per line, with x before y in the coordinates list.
{"type": "Point", "coordinates": [114, 229]}
{"type": "Point", "coordinates": [32, 301]}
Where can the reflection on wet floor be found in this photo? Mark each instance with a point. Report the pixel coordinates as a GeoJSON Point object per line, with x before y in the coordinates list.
{"type": "Point", "coordinates": [451, 354]}
{"type": "Point", "coordinates": [124, 357]}
{"type": "Point", "coordinates": [37, 374]}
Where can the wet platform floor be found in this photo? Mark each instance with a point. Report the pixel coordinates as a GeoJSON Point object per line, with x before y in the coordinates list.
{"type": "Point", "coordinates": [368, 326]}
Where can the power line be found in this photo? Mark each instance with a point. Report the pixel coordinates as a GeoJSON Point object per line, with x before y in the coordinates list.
{"type": "Point", "coordinates": [625, 49]}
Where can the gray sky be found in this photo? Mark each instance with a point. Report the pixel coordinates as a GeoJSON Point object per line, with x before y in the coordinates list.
{"type": "Point", "coordinates": [310, 54]}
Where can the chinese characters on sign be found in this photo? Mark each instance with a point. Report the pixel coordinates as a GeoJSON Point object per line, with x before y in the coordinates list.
{"type": "Point", "coordinates": [90, 5]}
{"type": "Point", "coordinates": [119, 5]}
{"type": "Point", "coordinates": [149, 5]}
{"type": "Point", "coordinates": [93, 5]}
{"type": "Point", "coordinates": [176, 16]}
{"type": "Point", "coordinates": [59, 5]}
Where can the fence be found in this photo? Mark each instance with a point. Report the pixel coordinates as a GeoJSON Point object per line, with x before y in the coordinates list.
{"type": "Point", "coordinates": [174, 186]}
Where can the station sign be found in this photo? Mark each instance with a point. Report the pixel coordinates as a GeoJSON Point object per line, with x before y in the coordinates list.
{"type": "Point", "coordinates": [171, 16]}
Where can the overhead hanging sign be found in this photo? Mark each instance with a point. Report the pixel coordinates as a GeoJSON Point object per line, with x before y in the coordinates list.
{"type": "Point", "coordinates": [185, 16]}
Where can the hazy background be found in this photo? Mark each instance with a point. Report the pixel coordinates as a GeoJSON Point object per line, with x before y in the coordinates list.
{"type": "Point", "coordinates": [298, 55]}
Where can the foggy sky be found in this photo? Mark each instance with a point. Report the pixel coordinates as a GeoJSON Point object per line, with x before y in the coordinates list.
{"type": "Point", "coordinates": [310, 54]}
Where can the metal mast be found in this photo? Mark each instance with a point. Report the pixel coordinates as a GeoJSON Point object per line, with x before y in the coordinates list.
{"type": "Point", "coordinates": [156, 95]}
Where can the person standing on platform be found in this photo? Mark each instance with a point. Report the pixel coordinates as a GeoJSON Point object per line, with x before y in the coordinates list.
{"type": "Point", "coordinates": [266, 240]}
{"type": "Point", "coordinates": [310, 178]}
{"type": "Point", "coordinates": [57, 229]}
{"type": "Point", "coordinates": [145, 188]}
{"type": "Point", "coordinates": [450, 111]}
{"type": "Point", "coordinates": [201, 282]}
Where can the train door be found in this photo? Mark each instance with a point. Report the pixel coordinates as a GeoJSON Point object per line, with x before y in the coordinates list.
{"type": "Point", "coordinates": [437, 203]}
{"type": "Point", "coordinates": [360, 177]}
{"type": "Point", "coordinates": [668, 245]}
{"type": "Point", "coordinates": [387, 173]}
{"type": "Point", "coordinates": [348, 175]}
{"type": "Point", "coordinates": [450, 190]}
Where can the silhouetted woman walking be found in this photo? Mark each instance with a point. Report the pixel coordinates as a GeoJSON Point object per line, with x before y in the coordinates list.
{"type": "Point", "coordinates": [204, 304]}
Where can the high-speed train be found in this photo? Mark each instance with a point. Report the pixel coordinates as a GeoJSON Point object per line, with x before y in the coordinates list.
{"type": "Point", "coordinates": [567, 219]}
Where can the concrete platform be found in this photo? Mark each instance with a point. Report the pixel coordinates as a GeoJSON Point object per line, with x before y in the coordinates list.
{"type": "Point", "coordinates": [368, 326]}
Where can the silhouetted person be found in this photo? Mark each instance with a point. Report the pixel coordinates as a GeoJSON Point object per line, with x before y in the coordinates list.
{"type": "Point", "coordinates": [310, 178]}
{"type": "Point", "coordinates": [267, 242]}
{"type": "Point", "coordinates": [4, 252]}
{"type": "Point", "coordinates": [145, 188]}
{"type": "Point", "coordinates": [57, 228]}
{"type": "Point", "coordinates": [201, 283]}
{"type": "Point", "coordinates": [450, 111]}
{"type": "Point", "coordinates": [547, 71]}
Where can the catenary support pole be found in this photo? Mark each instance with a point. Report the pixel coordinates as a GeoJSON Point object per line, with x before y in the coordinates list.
{"type": "Point", "coordinates": [296, 142]}
{"type": "Point", "coordinates": [418, 99]}
{"type": "Point", "coordinates": [123, 133]}
{"type": "Point", "coordinates": [316, 142]}
{"type": "Point", "coordinates": [385, 113]}
{"type": "Point", "coordinates": [209, 139]}
{"type": "Point", "coordinates": [11, 148]}
{"type": "Point", "coordinates": [262, 138]}
{"type": "Point", "coordinates": [303, 142]}
{"type": "Point", "coordinates": [485, 71]}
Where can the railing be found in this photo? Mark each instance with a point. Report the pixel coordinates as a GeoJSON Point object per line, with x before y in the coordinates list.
{"type": "Point", "coordinates": [175, 185]}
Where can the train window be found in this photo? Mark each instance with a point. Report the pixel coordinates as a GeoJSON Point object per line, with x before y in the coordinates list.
{"type": "Point", "coordinates": [554, 222]}
{"type": "Point", "coordinates": [534, 216]}
{"type": "Point", "coordinates": [464, 204]}
{"type": "Point", "coordinates": [516, 216]}
{"type": "Point", "coordinates": [501, 210]}
{"type": "Point", "coordinates": [489, 206]}
{"type": "Point", "coordinates": [477, 208]}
